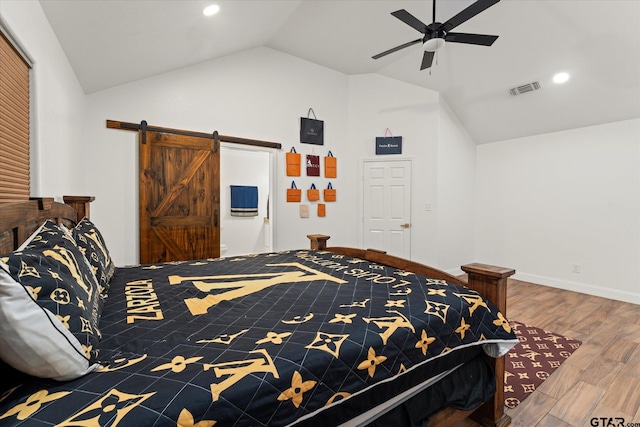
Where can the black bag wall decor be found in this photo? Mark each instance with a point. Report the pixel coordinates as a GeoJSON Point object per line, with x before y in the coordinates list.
{"type": "Point", "coordinates": [311, 130]}
{"type": "Point", "coordinates": [388, 144]}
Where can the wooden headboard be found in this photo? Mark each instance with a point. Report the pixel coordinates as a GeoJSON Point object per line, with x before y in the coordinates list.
{"type": "Point", "coordinates": [19, 219]}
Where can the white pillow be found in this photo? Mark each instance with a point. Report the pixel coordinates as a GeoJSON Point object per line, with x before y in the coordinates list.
{"type": "Point", "coordinates": [33, 340]}
{"type": "Point", "coordinates": [50, 307]}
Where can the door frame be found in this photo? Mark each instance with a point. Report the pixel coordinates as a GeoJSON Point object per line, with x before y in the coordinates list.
{"type": "Point", "coordinates": [410, 159]}
{"type": "Point", "coordinates": [269, 229]}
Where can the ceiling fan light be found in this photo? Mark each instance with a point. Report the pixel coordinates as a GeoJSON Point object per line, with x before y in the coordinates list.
{"type": "Point", "coordinates": [433, 44]}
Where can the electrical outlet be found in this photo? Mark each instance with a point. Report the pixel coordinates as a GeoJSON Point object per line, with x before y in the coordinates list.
{"type": "Point", "coordinates": [576, 268]}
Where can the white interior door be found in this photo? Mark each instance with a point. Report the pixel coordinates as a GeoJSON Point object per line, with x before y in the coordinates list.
{"type": "Point", "coordinates": [387, 206]}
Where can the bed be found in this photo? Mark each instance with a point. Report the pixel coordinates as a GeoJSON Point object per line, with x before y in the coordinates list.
{"type": "Point", "coordinates": [316, 336]}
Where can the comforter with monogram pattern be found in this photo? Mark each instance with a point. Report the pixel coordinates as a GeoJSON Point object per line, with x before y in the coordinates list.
{"type": "Point", "coordinates": [263, 340]}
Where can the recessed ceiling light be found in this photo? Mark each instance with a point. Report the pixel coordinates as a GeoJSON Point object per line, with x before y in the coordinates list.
{"type": "Point", "coordinates": [561, 77]}
{"type": "Point", "coordinates": [211, 10]}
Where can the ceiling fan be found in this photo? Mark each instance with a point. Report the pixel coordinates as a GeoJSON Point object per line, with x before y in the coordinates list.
{"type": "Point", "coordinates": [436, 34]}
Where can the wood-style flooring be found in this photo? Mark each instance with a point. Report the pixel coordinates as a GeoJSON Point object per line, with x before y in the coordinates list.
{"type": "Point", "coordinates": [599, 380]}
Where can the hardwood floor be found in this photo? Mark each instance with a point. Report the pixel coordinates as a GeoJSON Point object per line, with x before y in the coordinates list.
{"type": "Point", "coordinates": [599, 380]}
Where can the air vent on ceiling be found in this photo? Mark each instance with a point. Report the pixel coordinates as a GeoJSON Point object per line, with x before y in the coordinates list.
{"type": "Point", "coordinates": [529, 87]}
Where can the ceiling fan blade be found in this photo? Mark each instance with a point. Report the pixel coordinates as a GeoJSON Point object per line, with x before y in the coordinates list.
{"type": "Point", "coordinates": [481, 39]}
{"type": "Point", "coordinates": [467, 14]}
{"type": "Point", "coordinates": [410, 20]}
{"type": "Point", "coordinates": [395, 49]}
{"type": "Point", "coordinates": [427, 59]}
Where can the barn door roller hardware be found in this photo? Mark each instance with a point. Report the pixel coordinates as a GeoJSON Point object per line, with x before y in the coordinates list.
{"type": "Point", "coordinates": [143, 129]}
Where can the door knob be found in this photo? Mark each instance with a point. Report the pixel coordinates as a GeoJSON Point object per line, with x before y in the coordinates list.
{"type": "Point", "coordinates": [405, 225]}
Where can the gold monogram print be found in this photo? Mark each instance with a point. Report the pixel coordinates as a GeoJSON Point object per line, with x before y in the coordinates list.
{"type": "Point", "coordinates": [256, 283]}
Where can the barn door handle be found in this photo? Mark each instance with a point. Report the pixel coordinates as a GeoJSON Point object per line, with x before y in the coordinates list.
{"type": "Point", "coordinates": [215, 218]}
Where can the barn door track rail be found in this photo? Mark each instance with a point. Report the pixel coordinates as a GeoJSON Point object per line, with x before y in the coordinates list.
{"type": "Point", "coordinates": [144, 127]}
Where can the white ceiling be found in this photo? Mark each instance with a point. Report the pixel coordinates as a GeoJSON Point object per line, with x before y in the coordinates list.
{"type": "Point", "coordinates": [111, 42]}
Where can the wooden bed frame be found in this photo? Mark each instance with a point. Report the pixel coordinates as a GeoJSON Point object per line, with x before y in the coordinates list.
{"type": "Point", "coordinates": [489, 281]}
{"type": "Point", "coordinates": [20, 219]}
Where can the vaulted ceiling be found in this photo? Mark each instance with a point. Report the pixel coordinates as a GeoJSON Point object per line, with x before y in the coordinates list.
{"type": "Point", "coordinates": [111, 42]}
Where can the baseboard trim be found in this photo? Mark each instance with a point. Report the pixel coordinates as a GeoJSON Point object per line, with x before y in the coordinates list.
{"type": "Point", "coordinates": [569, 285]}
{"type": "Point", "coordinates": [582, 288]}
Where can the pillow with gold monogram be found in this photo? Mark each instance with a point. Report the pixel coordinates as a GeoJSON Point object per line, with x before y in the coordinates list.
{"type": "Point", "coordinates": [50, 306]}
{"type": "Point", "coordinates": [92, 245]}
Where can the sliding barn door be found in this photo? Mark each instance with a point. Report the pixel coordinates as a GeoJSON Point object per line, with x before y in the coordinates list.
{"type": "Point", "coordinates": [179, 197]}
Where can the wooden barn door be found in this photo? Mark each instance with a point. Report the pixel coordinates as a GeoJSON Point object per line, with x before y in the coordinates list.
{"type": "Point", "coordinates": [179, 195]}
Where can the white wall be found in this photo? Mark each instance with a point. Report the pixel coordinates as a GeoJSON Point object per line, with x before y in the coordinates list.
{"type": "Point", "coordinates": [377, 103]}
{"type": "Point", "coordinates": [57, 104]}
{"type": "Point", "coordinates": [237, 98]}
{"type": "Point", "coordinates": [443, 157]}
{"type": "Point", "coordinates": [549, 202]}
{"type": "Point", "coordinates": [455, 205]}
{"type": "Point", "coordinates": [207, 95]}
